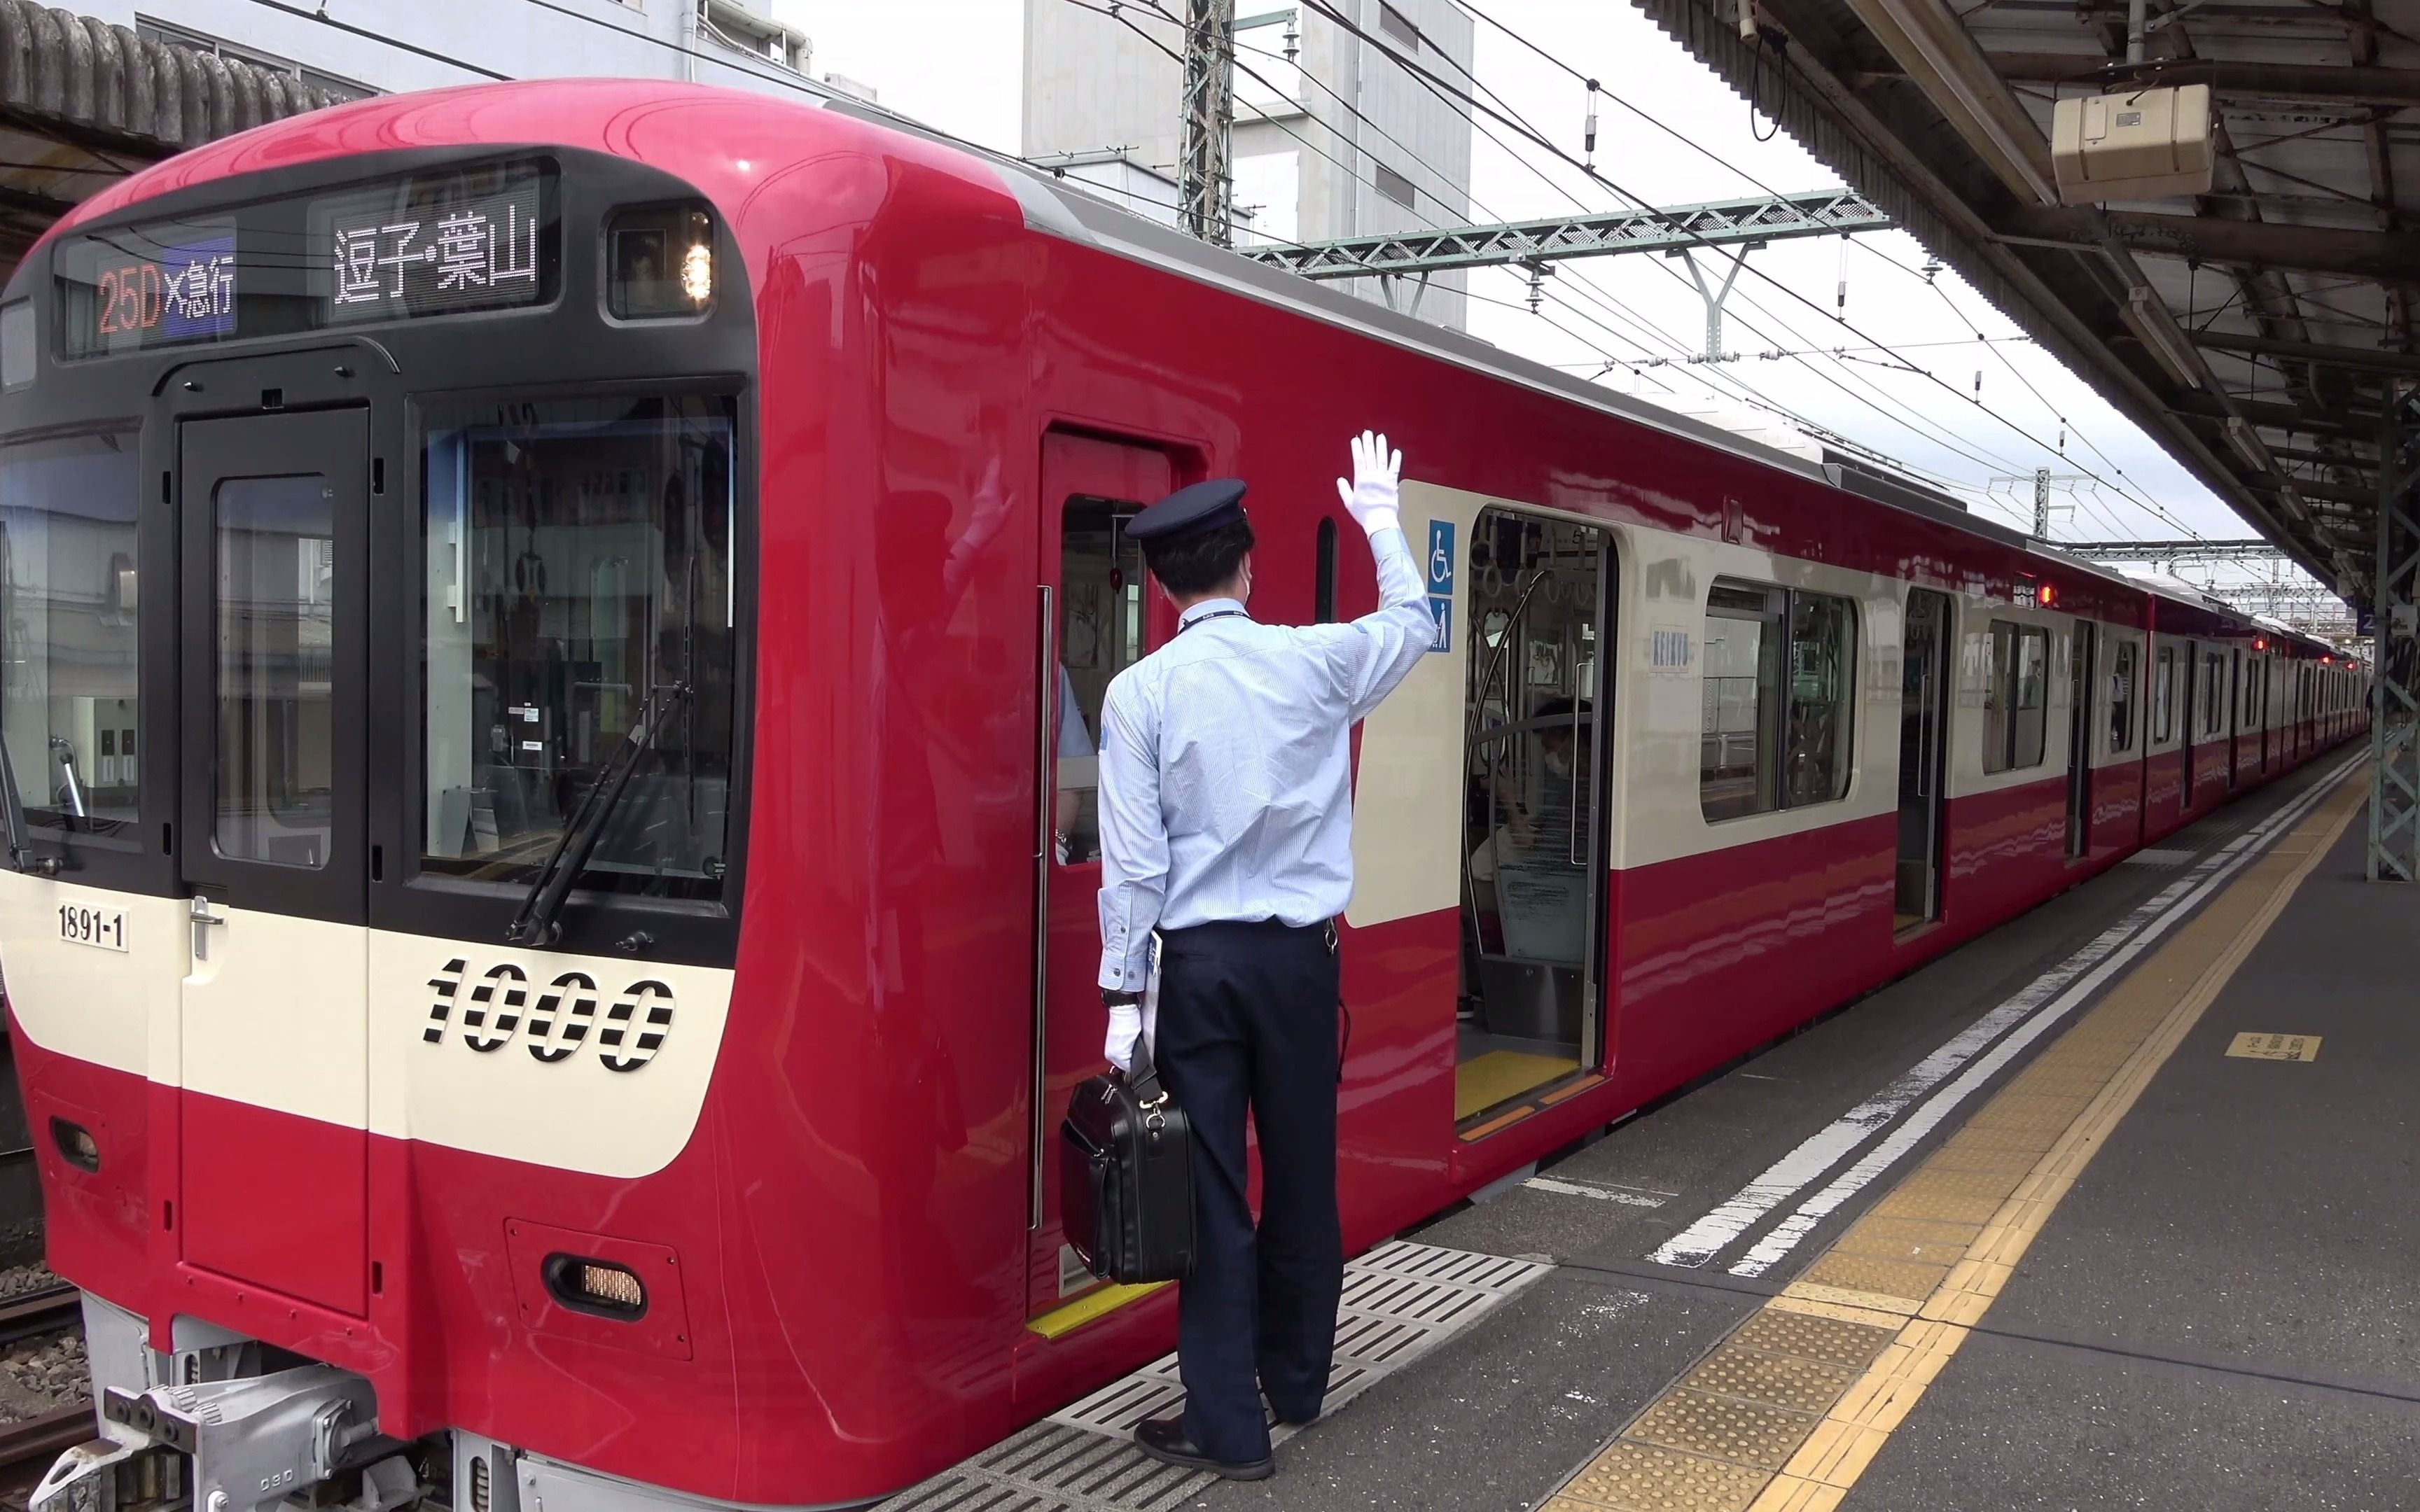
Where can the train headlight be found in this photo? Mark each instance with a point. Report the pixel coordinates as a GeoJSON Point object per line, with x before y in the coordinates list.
{"type": "Point", "coordinates": [659, 262]}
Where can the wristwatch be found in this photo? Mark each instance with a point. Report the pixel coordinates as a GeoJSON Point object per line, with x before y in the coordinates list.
{"type": "Point", "coordinates": [1115, 999]}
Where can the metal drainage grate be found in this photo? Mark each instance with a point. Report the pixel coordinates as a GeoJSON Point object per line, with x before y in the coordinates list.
{"type": "Point", "coordinates": [2162, 859]}
{"type": "Point", "coordinates": [1399, 1300]}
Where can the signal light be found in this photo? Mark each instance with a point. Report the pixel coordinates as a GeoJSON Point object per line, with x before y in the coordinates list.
{"type": "Point", "coordinates": [2048, 594]}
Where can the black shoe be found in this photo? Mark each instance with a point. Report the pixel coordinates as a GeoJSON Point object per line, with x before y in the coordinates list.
{"type": "Point", "coordinates": [1164, 1440]}
{"type": "Point", "coordinates": [1303, 1422]}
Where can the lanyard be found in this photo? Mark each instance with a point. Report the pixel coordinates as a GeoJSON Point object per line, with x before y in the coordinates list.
{"type": "Point", "coordinates": [1222, 614]}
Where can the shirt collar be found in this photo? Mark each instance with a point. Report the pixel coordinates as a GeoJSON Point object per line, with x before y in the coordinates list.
{"type": "Point", "coordinates": [1207, 608]}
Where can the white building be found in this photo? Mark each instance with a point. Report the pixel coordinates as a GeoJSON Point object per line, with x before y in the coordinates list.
{"type": "Point", "coordinates": [384, 46]}
{"type": "Point", "coordinates": [1333, 137]}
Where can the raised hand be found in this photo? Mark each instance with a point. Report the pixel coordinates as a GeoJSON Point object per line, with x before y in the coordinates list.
{"type": "Point", "coordinates": [1374, 497]}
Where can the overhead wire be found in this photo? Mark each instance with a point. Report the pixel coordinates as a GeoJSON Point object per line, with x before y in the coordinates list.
{"type": "Point", "coordinates": [1871, 396]}
{"type": "Point", "coordinates": [1745, 393]}
{"type": "Point", "coordinates": [1912, 420]}
{"type": "Point", "coordinates": [1511, 119]}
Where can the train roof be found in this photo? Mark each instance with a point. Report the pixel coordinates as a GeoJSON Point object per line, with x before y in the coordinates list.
{"type": "Point", "coordinates": [1069, 208]}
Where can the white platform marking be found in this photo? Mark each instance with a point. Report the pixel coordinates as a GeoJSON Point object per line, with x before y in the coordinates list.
{"type": "Point", "coordinates": [2051, 993]}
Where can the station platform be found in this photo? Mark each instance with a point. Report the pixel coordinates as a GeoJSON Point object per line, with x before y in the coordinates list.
{"type": "Point", "coordinates": [2110, 1207]}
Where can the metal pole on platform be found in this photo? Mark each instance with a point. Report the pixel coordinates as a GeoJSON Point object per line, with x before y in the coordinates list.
{"type": "Point", "coordinates": [1201, 176]}
{"type": "Point", "coordinates": [2395, 707]}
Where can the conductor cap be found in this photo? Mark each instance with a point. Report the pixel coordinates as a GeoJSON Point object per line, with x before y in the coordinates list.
{"type": "Point", "coordinates": [1189, 511]}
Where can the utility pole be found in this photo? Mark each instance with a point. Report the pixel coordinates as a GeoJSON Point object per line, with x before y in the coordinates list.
{"type": "Point", "coordinates": [2042, 479]}
{"type": "Point", "coordinates": [1202, 180]}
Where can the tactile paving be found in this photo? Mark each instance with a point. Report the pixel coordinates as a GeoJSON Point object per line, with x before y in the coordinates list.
{"type": "Point", "coordinates": [1911, 1279]}
{"type": "Point", "coordinates": [1723, 1428]}
{"type": "Point", "coordinates": [1775, 1380]}
{"type": "Point", "coordinates": [1807, 1336]}
{"type": "Point", "coordinates": [1644, 1477]}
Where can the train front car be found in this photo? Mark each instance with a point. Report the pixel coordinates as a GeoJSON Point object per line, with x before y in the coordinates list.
{"type": "Point", "coordinates": [444, 581]}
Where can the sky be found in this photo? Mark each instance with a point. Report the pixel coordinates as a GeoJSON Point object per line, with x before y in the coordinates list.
{"type": "Point", "coordinates": [1910, 381]}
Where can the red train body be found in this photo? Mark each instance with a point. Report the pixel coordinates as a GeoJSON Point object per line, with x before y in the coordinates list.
{"type": "Point", "coordinates": [824, 1170]}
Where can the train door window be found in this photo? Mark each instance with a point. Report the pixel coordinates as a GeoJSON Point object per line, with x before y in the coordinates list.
{"type": "Point", "coordinates": [1102, 605]}
{"type": "Point", "coordinates": [2016, 697]}
{"type": "Point", "coordinates": [2163, 698]}
{"type": "Point", "coordinates": [274, 552]}
{"type": "Point", "coordinates": [2121, 699]}
{"type": "Point", "coordinates": [2213, 692]}
{"type": "Point", "coordinates": [1323, 575]}
{"type": "Point", "coordinates": [67, 569]}
{"type": "Point", "coordinates": [1534, 842]}
{"type": "Point", "coordinates": [579, 584]}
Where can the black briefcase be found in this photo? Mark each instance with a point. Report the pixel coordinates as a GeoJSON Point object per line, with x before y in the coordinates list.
{"type": "Point", "coordinates": [1126, 1177]}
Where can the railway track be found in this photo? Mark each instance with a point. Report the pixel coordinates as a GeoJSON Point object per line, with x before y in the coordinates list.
{"type": "Point", "coordinates": [27, 1448]}
{"type": "Point", "coordinates": [46, 1311]}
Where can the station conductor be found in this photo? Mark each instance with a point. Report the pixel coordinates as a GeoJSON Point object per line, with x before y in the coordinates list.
{"type": "Point", "coordinates": [1226, 827]}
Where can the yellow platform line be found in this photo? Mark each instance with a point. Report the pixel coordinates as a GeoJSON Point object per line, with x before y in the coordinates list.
{"type": "Point", "coordinates": [1787, 1412]}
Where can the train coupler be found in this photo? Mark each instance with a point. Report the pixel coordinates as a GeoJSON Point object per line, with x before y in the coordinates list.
{"type": "Point", "coordinates": [232, 1446]}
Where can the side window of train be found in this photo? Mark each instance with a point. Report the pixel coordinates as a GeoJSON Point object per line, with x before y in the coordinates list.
{"type": "Point", "coordinates": [2016, 697]}
{"type": "Point", "coordinates": [1101, 632]}
{"type": "Point", "coordinates": [2121, 699]}
{"type": "Point", "coordinates": [1778, 708]}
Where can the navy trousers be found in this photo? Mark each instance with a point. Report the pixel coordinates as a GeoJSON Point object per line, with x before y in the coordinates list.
{"type": "Point", "coordinates": [1248, 1020]}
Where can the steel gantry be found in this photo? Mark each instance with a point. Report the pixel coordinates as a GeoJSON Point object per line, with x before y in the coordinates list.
{"type": "Point", "coordinates": [1669, 228]}
{"type": "Point", "coordinates": [2395, 706]}
{"type": "Point", "coordinates": [1675, 230]}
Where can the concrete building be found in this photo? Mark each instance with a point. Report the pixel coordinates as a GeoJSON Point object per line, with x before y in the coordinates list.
{"type": "Point", "coordinates": [357, 47]}
{"type": "Point", "coordinates": [1332, 136]}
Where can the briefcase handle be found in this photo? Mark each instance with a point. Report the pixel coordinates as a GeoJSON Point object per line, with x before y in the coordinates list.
{"type": "Point", "coordinates": [1143, 1080]}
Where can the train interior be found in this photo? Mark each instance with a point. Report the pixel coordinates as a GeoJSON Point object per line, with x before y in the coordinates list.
{"type": "Point", "coordinates": [1534, 832]}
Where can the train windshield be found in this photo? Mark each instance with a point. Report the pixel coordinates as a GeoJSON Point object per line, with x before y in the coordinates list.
{"type": "Point", "coordinates": [67, 567]}
{"type": "Point", "coordinates": [578, 560]}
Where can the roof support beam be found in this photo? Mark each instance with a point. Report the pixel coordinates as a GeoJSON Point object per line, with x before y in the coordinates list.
{"type": "Point", "coordinates": [2359, 359]}
{"type": "Point", "coordinates": [2316, 83]}
{"type": "Point", "coordinates": [2381, 256]}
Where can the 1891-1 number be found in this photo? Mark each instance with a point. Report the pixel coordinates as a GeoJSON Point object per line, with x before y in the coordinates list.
{"type": "Point", "coordinates": [103, 927]}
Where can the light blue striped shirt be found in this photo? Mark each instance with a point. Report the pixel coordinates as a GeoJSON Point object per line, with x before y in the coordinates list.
{"type": "Point", "coordinates": [1226, 765]}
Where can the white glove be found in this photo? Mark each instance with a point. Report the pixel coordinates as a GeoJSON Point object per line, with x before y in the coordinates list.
{"type": "Point", "coordinates": [1125, 1027]}
{"type": "Point", "coordinates": [1372, 497]}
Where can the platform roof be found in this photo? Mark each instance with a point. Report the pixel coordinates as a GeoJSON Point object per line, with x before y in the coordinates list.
{"type": "Point", "coordinates": [83, 102]}
{"type": "Point", "coordinates": [2290, 283]}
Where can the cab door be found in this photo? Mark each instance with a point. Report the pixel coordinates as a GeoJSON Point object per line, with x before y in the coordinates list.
{"type": "Point", "coordinates": [271, 849]}
{"type": "Point", "coordinates": [1098, 615]}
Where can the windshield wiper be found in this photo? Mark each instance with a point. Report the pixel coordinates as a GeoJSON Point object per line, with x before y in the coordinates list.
{"type": "Point", "coordinates": [539, 922]}
{"type": "Point", "coordinates": [21, 848]}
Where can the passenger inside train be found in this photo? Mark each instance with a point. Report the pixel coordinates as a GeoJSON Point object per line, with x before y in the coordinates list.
{"type": "Point", "coordinates": [1531, 883]}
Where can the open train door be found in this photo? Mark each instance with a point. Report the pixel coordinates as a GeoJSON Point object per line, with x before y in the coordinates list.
{"type": "Point", "coordinates": [1097, 615]}
{"type": "Point", "coordinates": [272, 848]}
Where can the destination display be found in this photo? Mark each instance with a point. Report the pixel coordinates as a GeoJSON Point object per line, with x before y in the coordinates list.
{"type": "Point", "coordinates": [157, 285]}
{"type": "Point", "coordinates": [482, 238]}
{"type": "Point", "coordinates": [388, 263]}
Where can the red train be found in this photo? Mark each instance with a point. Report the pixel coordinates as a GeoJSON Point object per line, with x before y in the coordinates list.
{"type": "Point", "coordinates": [551, 913]}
